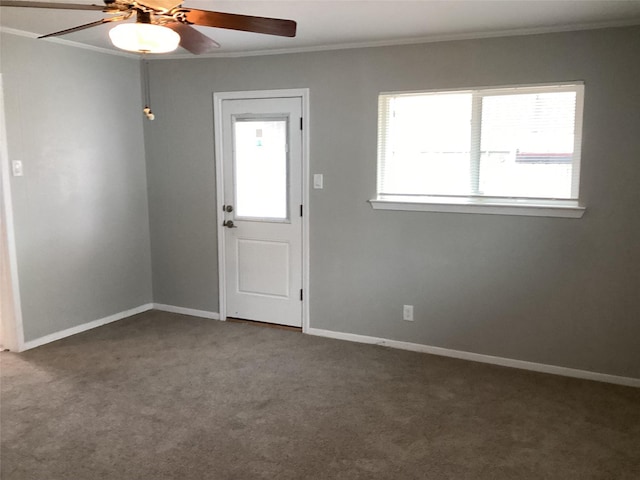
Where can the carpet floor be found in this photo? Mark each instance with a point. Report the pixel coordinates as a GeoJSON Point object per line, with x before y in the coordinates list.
{"type": "Point", "coordinates": [164, 396]}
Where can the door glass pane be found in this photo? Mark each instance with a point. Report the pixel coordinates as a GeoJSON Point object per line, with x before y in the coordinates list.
{"type": "Point", "coordinates": [261, 168]}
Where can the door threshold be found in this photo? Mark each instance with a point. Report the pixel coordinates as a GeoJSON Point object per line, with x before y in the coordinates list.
{"type": "Point", "coordinates": [264, 324]}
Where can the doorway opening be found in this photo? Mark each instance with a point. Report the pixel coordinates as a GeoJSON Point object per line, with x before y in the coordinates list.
{"type": "Point", "coordinates": [11, 334]}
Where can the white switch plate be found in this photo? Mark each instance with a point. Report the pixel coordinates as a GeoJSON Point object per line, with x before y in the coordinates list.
{"type": "Point", "coordinates": [16, 168]}
{"type": "Point", "coordinates": [407, 313]}
{"type": "Point", "coordinates": [318, 180]}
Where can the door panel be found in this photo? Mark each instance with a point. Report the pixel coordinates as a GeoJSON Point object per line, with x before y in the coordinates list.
{"type": "Point", "coordinates": [262, 165]}
{"type": "Point", "coordinates": [263, 267]}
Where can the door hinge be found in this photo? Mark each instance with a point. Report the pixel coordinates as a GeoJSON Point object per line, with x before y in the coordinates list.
{"type": "Point", "coordinates": [300, 123]}
{"type": "Point", "coordinates": [301, 296]}
{"type": "Point", "coordinates": [301, 210]}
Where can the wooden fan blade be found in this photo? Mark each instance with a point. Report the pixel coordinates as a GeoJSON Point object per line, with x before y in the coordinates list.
{"type": "Point", "coordinates": [63, 6]}
{"type": "Point", "coordinates": [246, 23]}
{"type": "Point", "coordinates": [82, 27]}
{"type": "Point", "coordinates": [191, 39]}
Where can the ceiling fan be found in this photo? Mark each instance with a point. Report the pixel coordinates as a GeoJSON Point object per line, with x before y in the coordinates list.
{"type": "Point", "coordinates": [162, 25]}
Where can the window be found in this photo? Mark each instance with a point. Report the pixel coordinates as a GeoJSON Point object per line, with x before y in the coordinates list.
{"type": "Point", "coordinates": [492, 150]}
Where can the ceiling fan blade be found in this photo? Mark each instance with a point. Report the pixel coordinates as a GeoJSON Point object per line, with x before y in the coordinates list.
{"type": "Point", "coordinates": [246, 23]}
{"type": "Point", "coordinates": [63, 6]}
{"type": "Point", "coordinates": [191, 39]}
{"type": "Point", "coordinates": [82, 27]}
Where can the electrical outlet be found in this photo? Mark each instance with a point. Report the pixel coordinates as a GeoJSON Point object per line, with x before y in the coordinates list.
{"type": "Point", "coordinates": [407, 313]}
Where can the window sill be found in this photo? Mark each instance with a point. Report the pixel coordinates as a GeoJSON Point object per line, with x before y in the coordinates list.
{"type": "Point", "coordinates": [487, 206]}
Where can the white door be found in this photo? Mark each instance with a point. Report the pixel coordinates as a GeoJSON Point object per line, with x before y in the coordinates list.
{"type": "Point", "coordinates": [262, 192]}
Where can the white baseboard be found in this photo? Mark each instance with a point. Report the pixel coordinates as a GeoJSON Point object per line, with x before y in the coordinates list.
{"type": "Point", "coordinates": [478, 357]}
{"type": "Point", "coordinates": [352, 337]}
{"type": "Point", "coordinates": [186, 311]}
{"type": "Point", "coordinates": [84, 327]}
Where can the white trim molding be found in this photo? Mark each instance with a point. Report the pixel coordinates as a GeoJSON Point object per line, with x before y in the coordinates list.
{"type": "Point", "coordinates": [186, 311]}
{"type": "Point", "coordinates": [113, 318]}
{"type": "Point", "coordinates": [557, 209]}
{"type": "Point", "coordinates": [407, 41]}
{"type": "Point", "coordinates": [84, 327]}
{"type": "Point", "coordinates": [11, 325]}
{"type": "Point", "coordinates": [478, 357]}
{"type": "Point", "coordinates": [68, 43]}
{"type": "Point", "coordinates": [218, 98]}
{"type": "Point", "coordinates": [342, 46]}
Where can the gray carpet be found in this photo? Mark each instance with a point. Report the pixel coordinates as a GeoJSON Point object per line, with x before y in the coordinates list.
{"type": "Point", "coordinates": [164, 396]}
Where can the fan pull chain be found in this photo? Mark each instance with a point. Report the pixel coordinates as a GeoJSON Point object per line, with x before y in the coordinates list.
{"type": "Point", "coordinates": [147, 91]}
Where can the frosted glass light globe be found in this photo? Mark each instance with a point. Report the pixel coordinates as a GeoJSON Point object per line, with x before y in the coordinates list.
{"type": "Point", "coordinates": [144, 38]}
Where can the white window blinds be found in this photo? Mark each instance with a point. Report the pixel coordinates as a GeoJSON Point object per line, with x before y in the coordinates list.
{"type": "Point", "coordinates": [521, 142]}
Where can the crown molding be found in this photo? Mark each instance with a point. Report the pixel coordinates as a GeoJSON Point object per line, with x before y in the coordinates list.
{"type": "Point", "coordinates": [411, 41]}
{"type": "Point", "coordinates": [68, 43]}
{"type": "Point", "coordinates": [342, 46]}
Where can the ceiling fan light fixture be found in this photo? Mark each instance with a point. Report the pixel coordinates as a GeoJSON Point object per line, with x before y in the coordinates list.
{"type": "Point", "coordinates": [144, 38]}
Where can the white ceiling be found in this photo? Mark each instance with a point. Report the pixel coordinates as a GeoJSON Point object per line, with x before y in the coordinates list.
{"type": "Point", "coordinates": [324, 24]}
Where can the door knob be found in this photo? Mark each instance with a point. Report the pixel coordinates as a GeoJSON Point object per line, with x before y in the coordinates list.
{"type": "Point", "coordinates": [228, 208]}
{"type": "Point", "coordinates": [229, 224]}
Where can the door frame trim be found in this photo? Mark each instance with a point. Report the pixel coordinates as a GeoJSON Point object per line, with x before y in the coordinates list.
{"type": "Point", "coordinates": [218, 98]}
{"type": "Point", "coordinates": [11, 324]}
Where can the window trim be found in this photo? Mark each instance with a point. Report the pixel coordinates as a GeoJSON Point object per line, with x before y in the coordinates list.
{"type": "Point", "coordinates": [521, 206]}
{"type": "Point", "coordinates": [484, 205]}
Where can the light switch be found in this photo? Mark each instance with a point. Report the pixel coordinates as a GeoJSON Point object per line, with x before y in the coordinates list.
{"type": "Point", "coordinates": [16, 168]}
{"type": "Point", "coordinates": [317, 181]}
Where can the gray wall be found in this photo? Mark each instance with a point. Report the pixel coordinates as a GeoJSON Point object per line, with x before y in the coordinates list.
{"type": "Point", "coordinates": [557, 291]}
{"type": "Point", "coordinates": [74, 118]}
